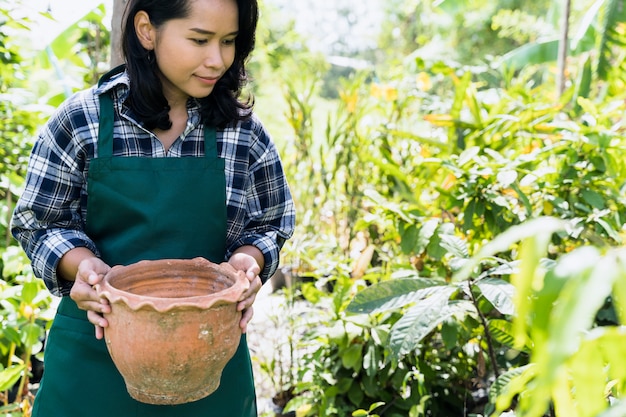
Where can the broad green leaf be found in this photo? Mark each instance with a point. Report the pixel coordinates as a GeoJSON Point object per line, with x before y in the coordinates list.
{"type": "Point", "coordinates": [588, 375]}
{"type": "Point", "coordinates": [509, 384]}
{"type": "Point", "coordinates": [462, 90]}
{"type": "Point", "coordinates": [545, 226]}
{"type": "Point", "coordinates": [529, 278]}
{"type": "Point", "coordinates": [610, 36]}
{"type": "Point", "coordinates": [450, 334]}
{"type": "Point", "coordinates": [589, 283]}
{"type": "Point", "coordinates": [583, 84]}
{"type": "Point", "coordinates": [356, 394]}
{"type": "Point", "coordinates": [344, 384]}
{"type": "Point", "coordinates": [392, 294]}
{"type": "Point", "coordinates": [9, 376]}
{"type": "Point", "coordinates": [375, 405]}
{"type": "Point", "coordinates": [31, 334]}
{"type": "Point", "coordinates": [11, 334]}
{"type": "Point", "coordinates": [423, 318]}
{"type": "Point", "coordinates": [584, 283]}
{"type": "Point", "coordinates": [594, 199]}
{"type": "Point", "coordinates": [619, 287]}
{"type": "Point", "coordinates": [409, 239]}
{"type": "Point", "coordinates": [468, 155]}
{"type": "Point", "coordinates": [454, 245]}
{"type": "Point", "coordinates": [609, 342]}
{"type": "Point", "coordinates": [561, 391]}
{"type": "Point", "coordinates": [585, 27]}
{"type": "Point", "coordinates": [617, 409]}
{"type": "Point", "coordinates": [426, 232]}
{"type": "Point", "coordinates": [30, 290]}
{"type": "Point", "coordinates": [351, 357]}
{"type": "Point", "coordinates": [506, 177]}
{"type": "Point", "coordinates": [370, 361]}
{"type": "Point", "coordinates": [531, 54]}
{"type": "Point", "coordinates": [609, 230]}
{"type": "Point", "coordinates": [502, 332]}
{"type": "Point", "coordinates": [499, 293]}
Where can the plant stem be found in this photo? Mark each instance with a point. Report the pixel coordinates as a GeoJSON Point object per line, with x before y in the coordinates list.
{"type": "Point", "coordinates": [483, 320]}
{"type": "Point", "coordinates": [11, 353]}
{"type": "Point", "coordinates": [8, 235]}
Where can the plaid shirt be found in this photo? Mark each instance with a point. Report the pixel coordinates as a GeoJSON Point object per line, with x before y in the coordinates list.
{"type": "Point", "coordinates": [49, 218]}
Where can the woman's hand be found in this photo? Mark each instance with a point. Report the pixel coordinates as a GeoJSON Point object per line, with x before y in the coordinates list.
{"type": "Point", "coordinates": [248, 259]}
{"type": "Point", "coordinates": [91, 271]}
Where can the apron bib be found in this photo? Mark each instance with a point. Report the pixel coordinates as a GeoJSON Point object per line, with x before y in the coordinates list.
{"type": "Point", "coordinates": [141, 208]}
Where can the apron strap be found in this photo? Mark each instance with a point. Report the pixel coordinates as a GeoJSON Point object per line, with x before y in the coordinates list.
{"type": "Point", "coordinates": [210, 142]}
{"type": "Point", "coordinates": [105, 131]}
{"type": "Point", "coordinates": [105, 126]}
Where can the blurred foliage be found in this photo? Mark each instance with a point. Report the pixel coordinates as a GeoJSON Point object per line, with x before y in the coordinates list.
{"type": "Point", "coordinates": [454, 212]}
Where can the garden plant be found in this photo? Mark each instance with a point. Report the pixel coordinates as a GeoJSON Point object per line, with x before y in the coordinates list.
{"type": "Point", "coordinates": [461, 217]}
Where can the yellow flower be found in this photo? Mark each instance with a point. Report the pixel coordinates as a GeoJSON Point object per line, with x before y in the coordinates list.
{"type": "Point", "coordinates": [303, 410]}
{"type": "Point", "coordinates": [384, 92]}
{"type": "Point", "coordinates": [423, 81]}
{"type": "Point", "coordinates": [448, 182]}
{"type": "Point", "coordinates": [350, 100]}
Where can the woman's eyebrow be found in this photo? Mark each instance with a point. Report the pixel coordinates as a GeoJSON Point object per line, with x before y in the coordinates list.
{"type": "Point", "coordinates": [208, 32]}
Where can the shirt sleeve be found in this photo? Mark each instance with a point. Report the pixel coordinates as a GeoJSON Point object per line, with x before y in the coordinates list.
{"type": "Point", "coordinates": [270, 207]}
{"type": "Point", "coordinates": [47, 220]}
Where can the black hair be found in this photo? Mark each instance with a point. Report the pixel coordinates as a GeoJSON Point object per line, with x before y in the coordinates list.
{"type": "Point", "coordinates": [146, 94]}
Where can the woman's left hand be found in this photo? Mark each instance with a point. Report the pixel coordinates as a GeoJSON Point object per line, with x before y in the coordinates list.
{"type": "Point", "coordinates": [248, 259]}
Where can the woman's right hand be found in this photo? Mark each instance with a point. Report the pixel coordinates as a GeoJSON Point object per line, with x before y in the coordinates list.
{"type": "Point", "coordinates": [91, 271]}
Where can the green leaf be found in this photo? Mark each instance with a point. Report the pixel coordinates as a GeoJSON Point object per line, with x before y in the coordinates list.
{"type": "Point", "coordinates": [370, 360]}
{"type": "Point", "coordinates": [375, 405]}
{"type": "Point", "coordinates": [583, 84]}
{"type": "Point", "coordinates": [589, 379]}
{"type": "Point", "coordinates": [351, 357]}
{"type": "Point", "coordinates": [408, 239]}
{"type": "Point", "coordinates": [594, 199]}
{"type": "Point", "coordinates": [506, 177]}
{"type": "Point", "coordinates": [30, 290]}
{"type": "Point", "coordinates": [610, 342]}
{"type": "Point", "coordinates": [356, 395]}
{"type": "Point", "coordinates": [31, 334]}
{"type": "Point", "coordinates": [502, 332]}
{"type": "Point", "coordinates": [545, 226]}
{"type": "Point", "coordinates": [9, 376]}
{"type": "Point", "coordinates": [499, 293]}
{"type": "Point", "coordinates": [423, 318]}
{"type": "Point", "coordinates": [426, 232]}
{"type": "Point", "coordinates": [450, 334]}
{"type": "Point", "coordinates": [392, 294]}
{"type": "Point", "coordinates": [619, 287]}
{"type": "Point", "coordinates": [468, 155]}
{"type": "Point", "coordinates": [589, 283]}
{"type": "Point", "coordinates": [531, 54]}
{"type": "Point", "coordinates": [454, 245]}
{"type": "Point", "coordinates": [618, 409]}
{"type": "Point", "coordinates": [509, 384]}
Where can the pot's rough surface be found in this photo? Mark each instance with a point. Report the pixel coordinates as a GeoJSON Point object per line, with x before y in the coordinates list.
{"type": "Point", "coordinates": [173, 326]}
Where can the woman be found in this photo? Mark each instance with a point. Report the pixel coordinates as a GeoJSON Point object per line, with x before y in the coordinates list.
{"type": "Point", "coordinates": [160, 160]}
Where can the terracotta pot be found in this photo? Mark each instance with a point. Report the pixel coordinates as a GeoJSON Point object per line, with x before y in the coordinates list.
{"type": "Point", "coordinates": [173, 326]}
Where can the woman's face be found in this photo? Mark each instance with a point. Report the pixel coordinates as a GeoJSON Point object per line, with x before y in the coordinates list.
{"type": "Point", "coordinates": [193, 53]}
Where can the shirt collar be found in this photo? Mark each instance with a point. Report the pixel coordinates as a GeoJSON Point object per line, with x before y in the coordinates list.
{"type": "Point", "coordinates": [119, 83]}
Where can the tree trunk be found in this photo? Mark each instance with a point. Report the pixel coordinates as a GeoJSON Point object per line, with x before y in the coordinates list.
{"type": "Point", "coordinates": [116, 32]}
{"type": "Point", "coordinates": [563, 47]}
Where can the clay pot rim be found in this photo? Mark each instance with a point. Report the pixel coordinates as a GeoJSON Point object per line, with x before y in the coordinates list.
{"type": "Point", "coordinates": [230, 295]}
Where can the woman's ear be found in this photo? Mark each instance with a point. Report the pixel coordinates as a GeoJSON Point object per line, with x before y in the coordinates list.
{"type": "Point", "coordinates": [144, 29]}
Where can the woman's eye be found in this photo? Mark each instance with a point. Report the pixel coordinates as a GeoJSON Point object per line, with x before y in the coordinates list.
{"type": "Point", "coordinates": [199, 41]}
{"type": "Point", "coordinates": [229, 41]}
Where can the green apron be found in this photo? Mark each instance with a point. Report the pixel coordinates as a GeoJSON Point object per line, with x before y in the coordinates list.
{"type": "Point", "coordinates": [141, 208]}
